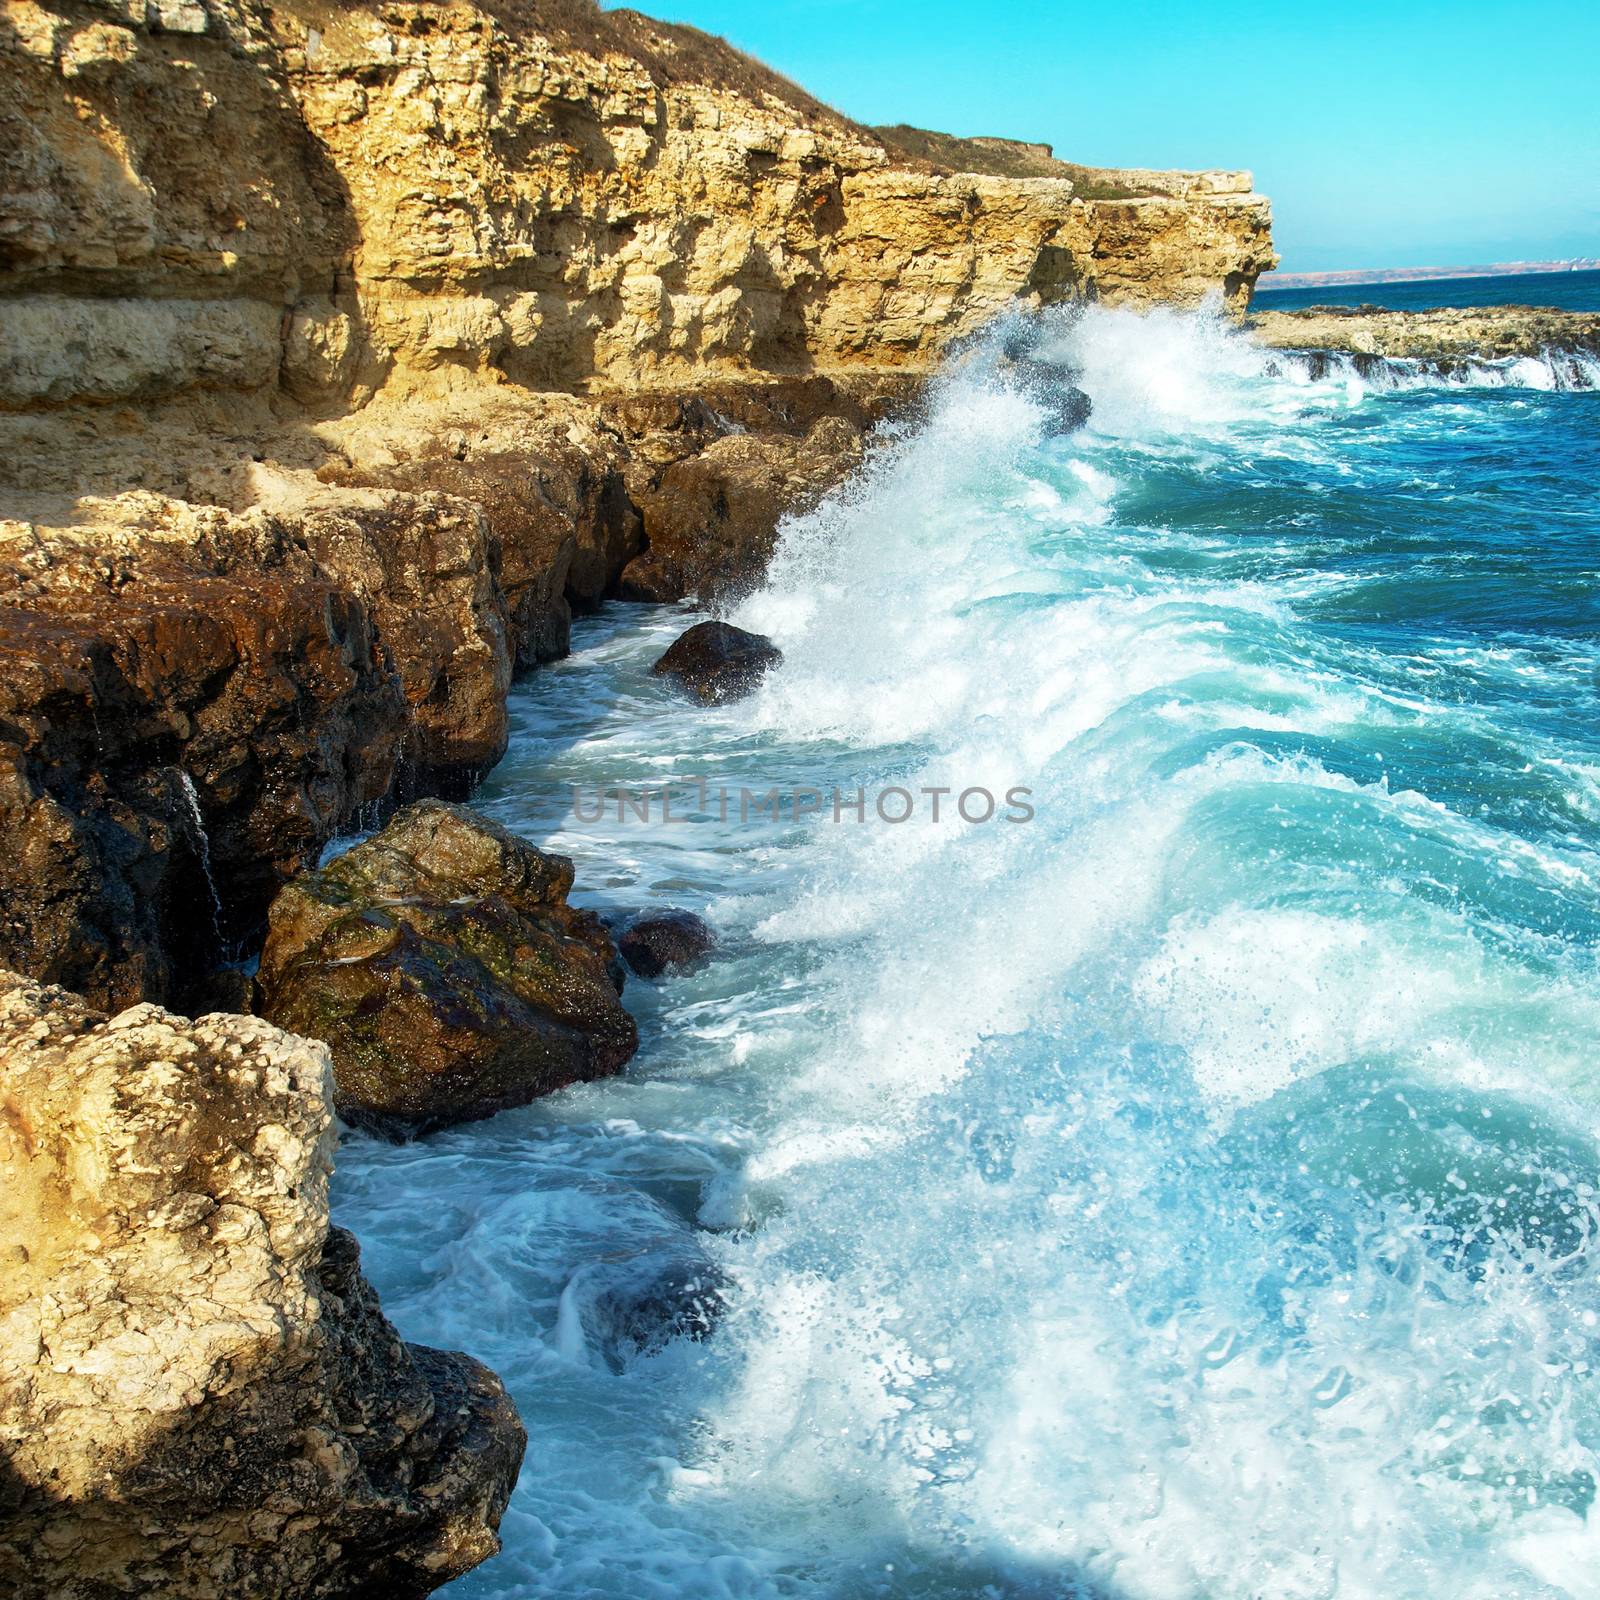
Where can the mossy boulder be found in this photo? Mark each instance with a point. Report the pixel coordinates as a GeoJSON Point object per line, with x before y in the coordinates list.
{"type": "Point", "coordinates": [715, 662]}
{"type": "Point", "coordinates": [440, 962]}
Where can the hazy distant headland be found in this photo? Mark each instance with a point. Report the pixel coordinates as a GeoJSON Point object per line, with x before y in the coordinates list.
{"type": "Point", "coordinates": [1498, 269]}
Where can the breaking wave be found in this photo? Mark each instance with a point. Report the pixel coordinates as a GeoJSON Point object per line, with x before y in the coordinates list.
{"type": "Point", "coordinates": [1190, 1193]}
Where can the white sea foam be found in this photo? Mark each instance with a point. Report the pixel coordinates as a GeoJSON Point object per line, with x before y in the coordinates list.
{"type": "Point", "coordinates": [1187, 1193]}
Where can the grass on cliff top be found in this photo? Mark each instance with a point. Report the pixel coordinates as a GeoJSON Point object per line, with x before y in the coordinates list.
{"type": "Point", "coordinates": [671, 52]}
{"type": "Point", "coordinates": [945, 152]}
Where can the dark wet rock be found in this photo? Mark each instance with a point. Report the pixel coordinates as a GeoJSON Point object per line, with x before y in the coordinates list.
{"type": "Point", "coordinates": [1051, 386]}
{"type": "Point", "coordinates": [421, 564]}
{"type": "Point", "coordinates": [441, 963]}
{"type": "Point", "coordinates": [230, 989]}
{"type": "Point", "coordinates": [636, 1305]}
{"type": "Point", "coordinates": [714, 470]}
{"type": "Point", "coordinates": [1069, 409]}
{"type": "Point", "coordinates": [666, 941]}
{"type": "Point", "coordinates": [199, 1393]}
{"type": "Point", "coordinates": [186, 715]}
{"type": "Point", "coordinates": [712, 522]}
{"type": "Point", "coordinates": [1019, 343]}
{"type": "Point", "coordinates": [716, 662]}
{"type": "Point", "coordinates": [561, 529]}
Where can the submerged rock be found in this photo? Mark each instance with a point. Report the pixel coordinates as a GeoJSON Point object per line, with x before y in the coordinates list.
{"type": "Point", "coordinates": [716, 662]}
{"type": "Point", "coordinates": [666, 941]}
{"type": "Point", "coordinates": [1069, 409]}
{"type": "Point", "coordinates": [635, 1305]}
{"type": "Point", "coordinates": [199, 1394]}
{"type": "Point", "coordinates": [1066, 406]}
{"type": "Point", "coordinates": [441, 963]}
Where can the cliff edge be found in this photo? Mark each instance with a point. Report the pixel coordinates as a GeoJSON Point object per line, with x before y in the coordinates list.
{"type": "Point", "coordinates": [333, 199]}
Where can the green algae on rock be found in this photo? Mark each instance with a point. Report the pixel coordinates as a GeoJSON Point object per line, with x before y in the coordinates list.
{"type": "Point", "coordinates": [442, 965]}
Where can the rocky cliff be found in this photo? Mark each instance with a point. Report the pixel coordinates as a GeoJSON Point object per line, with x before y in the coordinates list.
{"type": "Point", "coordinates": [338, 199]}
{"type": "Point", "coordinates": [345, 350]}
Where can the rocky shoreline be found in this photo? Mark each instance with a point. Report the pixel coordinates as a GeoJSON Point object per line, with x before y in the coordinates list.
{"type": "Point", "coordinates": [200, 1393]}
{"type": "Point", "coordinates": [1444, 342]}
{"type": "Point", "coordinates": [345, 354]}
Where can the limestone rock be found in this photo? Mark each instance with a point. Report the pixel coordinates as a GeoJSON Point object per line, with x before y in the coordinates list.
{"type": "Point", "coordinates": [528, 192]}
{"type": "Point", "coordinates": [198, 1392]}
{"type": "Point", "coordinates": [666, 941]}
{"type": "Point", "coordinates": [714, 470]}
{"type": "Point", "coordinates": [56, 349]}
{"type": "Point", "coordinates": [1485, 333]}
{"type": "Point", "coordinates": [715, 662]}
{"type": "Point", "coordinates": [441, 963]}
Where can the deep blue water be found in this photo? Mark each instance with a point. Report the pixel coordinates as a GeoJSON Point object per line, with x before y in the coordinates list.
{"type": "Point", "coordinates": [1567, 291]}
{"type": "Point", "coordinates": [1191, 1192]}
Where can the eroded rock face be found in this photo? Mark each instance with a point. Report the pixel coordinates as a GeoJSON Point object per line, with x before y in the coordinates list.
{"type": "Point", "coordinates": [560, 523]}
{"type": "Point", "coordinates": [713, 521]}
{"type": "Point", "coordinates": [441, 963]}
{"type": "Point", "coordinates": [1444, 336]}
{"type": "Point", "coordinates": [199, 1394]}
{"type": "Point", "coordinates": [666, 941]}
{"type": "Point", "coordinates": [186, 713]}
{"type": "Point", "coordinates": [423, 566]}
{"type": "Point", "coordinates": [421, 194]}
{"type": "Point", "coordinates": [714, 662]}
{"type": "Point", "coordinates": [715, 470]}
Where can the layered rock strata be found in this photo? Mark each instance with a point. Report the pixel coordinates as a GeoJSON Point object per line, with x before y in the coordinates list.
{"type": "Point", "coordinates": [198, 1392]}
{"type": "Point", "coordinates": [347, 195]}
{"type": "Point", "coordinates": [346, 351]}
{"type": "Point", "coordinates": [1483, 334]}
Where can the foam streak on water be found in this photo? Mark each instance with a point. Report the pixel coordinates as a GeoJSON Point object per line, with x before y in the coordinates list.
{"type": "Point", "coordinates": [1191, 1192]}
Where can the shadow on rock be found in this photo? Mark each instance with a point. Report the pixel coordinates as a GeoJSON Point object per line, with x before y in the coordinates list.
{"type": "Point", "coordinates": [715, 662]}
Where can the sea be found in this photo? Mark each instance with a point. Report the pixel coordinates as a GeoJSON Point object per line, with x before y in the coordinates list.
{"type": "Point", "coordinates": [1177, 1178]}
{"type": "Point", "coordinates": [1563, 291]}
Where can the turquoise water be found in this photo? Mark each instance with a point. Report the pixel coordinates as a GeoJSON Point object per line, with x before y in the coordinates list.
{"type": "Point", "coordinates": [1566, 291]}
{"type": "Point", "coordinates": [1191, 1191]}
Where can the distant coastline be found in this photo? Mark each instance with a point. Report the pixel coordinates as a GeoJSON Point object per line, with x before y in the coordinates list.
{"type": "Point", "coordinates": [1499, 269]}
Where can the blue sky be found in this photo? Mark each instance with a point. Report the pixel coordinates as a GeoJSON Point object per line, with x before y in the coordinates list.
{"type": "Point", "coordinates": [1408, 133]}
